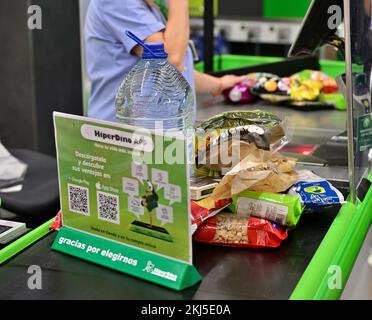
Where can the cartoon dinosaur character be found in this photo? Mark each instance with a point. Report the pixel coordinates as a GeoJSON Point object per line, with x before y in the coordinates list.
{"type": "Point", "coordinates": [150, 200]}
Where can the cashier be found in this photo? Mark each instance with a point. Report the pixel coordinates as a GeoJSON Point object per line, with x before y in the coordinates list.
{"type": "Point", "coordinates": [110, 54]}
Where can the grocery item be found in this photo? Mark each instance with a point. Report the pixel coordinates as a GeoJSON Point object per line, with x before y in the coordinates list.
{"type": "Point", "coordinates": [328, 84]}
{"type": "Point", "coordinates": [259, 170]}
{"type": "Point", "coordinates": [305, 89]}
{"type": "Point", "coordinates": [282, 209]}
{"type": "Point", "coordinates": [232, 230]}
{"type": "Point", "coordinates": [57, 221]}
{"type": "Point", "coordinates": [269, 83]}
{"type": "Point", "coordinates": [204, 209]}
{"type": "Point", "coordinates": [216, 125]}
{"type": "Point", "coordinates": [218, 138]}
{"type": "Point", "coordinates": [310, 84]}
{"type": "Point", "coordinates": [221, 158]}
{"type": "Point", "coordinates": [154, 94]}
{"type": "Point", "coordinates": [317, 195]}
{"type": "Point", "coordinates": [240, 93]}
{"type": "Point", "coordinates": [261, 128]}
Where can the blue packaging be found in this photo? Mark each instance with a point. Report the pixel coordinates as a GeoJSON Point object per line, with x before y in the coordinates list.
{"type": "Point", "coordinates": [316, 195]}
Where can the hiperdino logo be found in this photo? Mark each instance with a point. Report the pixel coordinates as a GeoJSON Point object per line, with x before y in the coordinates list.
{"type": "Point", "coordinates": [150, 268]}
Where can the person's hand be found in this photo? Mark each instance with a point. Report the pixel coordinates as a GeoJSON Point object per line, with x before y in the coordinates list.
{"type": "Point", "coordinates": [229, 81]}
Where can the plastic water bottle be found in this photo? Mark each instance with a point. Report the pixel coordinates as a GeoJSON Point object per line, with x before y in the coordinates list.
{"type": "Point", "coordinates": [154, 92]}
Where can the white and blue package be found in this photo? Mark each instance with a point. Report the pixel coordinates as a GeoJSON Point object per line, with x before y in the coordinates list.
{"type": "Point", "coordinates": [318, 194]}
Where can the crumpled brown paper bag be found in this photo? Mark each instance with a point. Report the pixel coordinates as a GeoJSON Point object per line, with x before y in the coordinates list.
{"type": "Point", "coordinates": [259, 170]}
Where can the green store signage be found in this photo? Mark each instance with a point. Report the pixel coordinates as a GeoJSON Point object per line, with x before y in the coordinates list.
{"type": "Point", "coordinates": [125, 202]}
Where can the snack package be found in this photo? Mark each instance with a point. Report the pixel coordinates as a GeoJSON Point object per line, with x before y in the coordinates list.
{"type": "Point", "coordinates": [259, 170]}
{"type": "Point", "coordinates": [250, 125]}
{"type": "Point", "coordinates": [240, 93]}
{"type": "Point", "coordinates": [248, 232]}
{"type": "Point", "coordinates": [315, 192]}
{"type": "Point", "coordinates": [204, 209]}
{"type": "Point", "coordinates": [216, 137]}
{"type": "Point", "coordinates": [282, 209]}
{"type": "Point", "coordinates": [317, 195]}
{"type": "Point", "coordinates": [57, 222]}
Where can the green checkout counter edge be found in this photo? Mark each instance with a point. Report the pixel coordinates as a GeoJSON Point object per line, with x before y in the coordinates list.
{"type": "Point", "coordinates": [339, 247]}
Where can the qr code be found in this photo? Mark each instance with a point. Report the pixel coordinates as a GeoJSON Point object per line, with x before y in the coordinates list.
{"type": "Point", "coordinates": [108, 207]}
{"type": "Point", "coordinates": [78, 199]}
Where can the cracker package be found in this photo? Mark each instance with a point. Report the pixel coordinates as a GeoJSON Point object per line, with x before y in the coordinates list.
{"type": "Point", "coordinates": [232, 230]}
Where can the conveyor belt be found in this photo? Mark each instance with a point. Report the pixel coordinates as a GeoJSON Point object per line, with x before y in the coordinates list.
{"type": "Point", "coordinates": [228, 273]}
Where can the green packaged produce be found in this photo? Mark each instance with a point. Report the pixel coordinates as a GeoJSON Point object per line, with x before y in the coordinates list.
{"type": "Point", "coordinates": [282, 209]}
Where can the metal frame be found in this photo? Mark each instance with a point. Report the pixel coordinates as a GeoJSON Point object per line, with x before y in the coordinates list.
{"type": "Point", "coordinates": [350, 103]}
{"type": "Point", "coordinates": [208, 35]}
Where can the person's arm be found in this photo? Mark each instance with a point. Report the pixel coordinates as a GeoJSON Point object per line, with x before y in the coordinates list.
{"type": "Point", "coordinates": [208, 84]}
{"type": "Point", "coordinates": [176, 34]}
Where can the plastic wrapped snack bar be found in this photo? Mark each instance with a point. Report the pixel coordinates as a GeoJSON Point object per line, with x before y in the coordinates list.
{"type": "Point", "coordinates": [282, 209]}
{"type": "Point", "coordinates": [248, 232]}
{"type": "Point", "coordinates": [204, 209]}
{"type": "Point", "coordinates": [315, 193]}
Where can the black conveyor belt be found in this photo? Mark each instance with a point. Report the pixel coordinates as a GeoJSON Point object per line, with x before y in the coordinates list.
{"type": "Point", "coordinates": [228, 273]}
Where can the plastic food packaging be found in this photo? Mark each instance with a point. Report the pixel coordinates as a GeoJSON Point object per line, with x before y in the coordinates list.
{"type": "Point", "coordinates": [240, 93]}
{"type": "Point", "coordinates": [282, 209]}
{"type": "Point", "coordinates": [57, 222]}
{"type": "Point", "coordinates": [259, 170]}
{"type": "Point", "coordinates": [267, 83]}
{"type": "Point", "coordinates": [317, 195]}
{"type": "Point", "coordinates": [328, 84]}
{"type": "Point", "coordinates": [249, 232]}
{"type": "Point", "coordinates": [241, 120]}
{"type": "Point", "coordinates": [204, 209]}
{"type": "Point", "coordinates": [262, 129]}
{"type": "Point", "coordinates": [305, 89]}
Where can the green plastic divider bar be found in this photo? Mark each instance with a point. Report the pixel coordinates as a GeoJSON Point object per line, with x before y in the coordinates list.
{"type": "Point", "coordinates": [24, 242]}
{"type": "Point", "coordinates": [339, 248]}
{"type": "Point", "coordinates": [230, 61]}
{"type": "Point", "coordinates": [348, 250]}
{"type": "Point", "coordinates": [309, 283]}
{"type": "Point", "coordinates": [285, 8]}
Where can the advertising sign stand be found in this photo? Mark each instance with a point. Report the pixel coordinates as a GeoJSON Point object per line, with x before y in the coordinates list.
{"type": "Point", "coordinates": [120, 211]}
{"type": "Point", "coordinates": [173, 274]}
